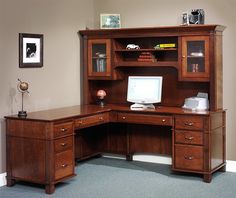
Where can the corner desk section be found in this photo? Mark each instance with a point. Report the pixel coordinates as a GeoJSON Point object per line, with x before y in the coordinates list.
{"type": "Point", "coordinates": [42, 148]}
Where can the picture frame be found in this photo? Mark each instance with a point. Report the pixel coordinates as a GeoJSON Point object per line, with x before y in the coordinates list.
{"type": "Point", "coordinates": [110, 21]}
{"type": "Point", "coordinates": [30, 50]}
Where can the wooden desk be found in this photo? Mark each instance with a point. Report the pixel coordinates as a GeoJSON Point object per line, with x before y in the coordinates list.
{"type": "Point", "coordinates": [40, 148]}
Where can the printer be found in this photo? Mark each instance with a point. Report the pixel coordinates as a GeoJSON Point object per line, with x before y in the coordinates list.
{"type": "Point", "coordinates": [197, 103]}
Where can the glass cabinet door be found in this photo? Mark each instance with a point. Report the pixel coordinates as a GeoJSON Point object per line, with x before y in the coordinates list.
{"type": "Point", "coordinates": [99, 57]}
{"type": "Point", "coordinates": [195, 58]}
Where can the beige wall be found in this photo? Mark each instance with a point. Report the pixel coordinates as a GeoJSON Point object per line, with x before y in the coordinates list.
{"type": "Point", "coordinates": [139, 13]}
{"type": "Point", "coordinates": [57, 83]}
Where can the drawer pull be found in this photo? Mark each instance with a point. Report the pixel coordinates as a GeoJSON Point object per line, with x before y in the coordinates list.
{"type": "Point", "coordinates": [63, 129]}
{"type": "Point", "coordinates": [123, 117]}
{"type": "Point", "coordinates": [63, 144]}
{"type": "Point", "coordinates": [188, 123]}
{"type": "Point", "coordinates": [64, 165]}
{"type": "Point", "coordinates": [189, 138]}
{"type": "Point", "coordinates": [188, 157]}
{"type": "Point", "coordinates": [163, 120]}
{"type": "Point", "coordinates": [101, 118]}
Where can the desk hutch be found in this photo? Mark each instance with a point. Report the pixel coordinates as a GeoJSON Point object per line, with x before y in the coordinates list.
{"type": "Point", "coordinates": [42, 147]}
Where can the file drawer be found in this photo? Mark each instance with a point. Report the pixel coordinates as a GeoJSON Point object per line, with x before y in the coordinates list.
{"type": "Point", "coordinates": [64, 164]}
{"type": "Point", "coordinates": [189, 122]}
{"type": "Point", "coordinates": [188, 157]}
{"type": "Point", "coordinates": [63, 129]}
{"type": "Point", "coordinates": [63, 144]}
{"type": "Point", "coordinates": [189, 137]}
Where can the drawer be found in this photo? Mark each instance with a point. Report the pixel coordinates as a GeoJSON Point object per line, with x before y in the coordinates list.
{"type": "Point", "coordinates": [189, 122]}
{"type": "Point", "coordinates": [145, 119]}
{"type": "Point", "coordinates": [63, 129]}
{"type": "Point", "coordinates": [189, 137]}
{"type": "Point", "coordinates": [64, 164]}
{"type": "Point", "coordinates": [63, 144]}
{"type": "Point", "coordinates": [188, 157]}
{"type": "Point", "coordinates": [92, 120]}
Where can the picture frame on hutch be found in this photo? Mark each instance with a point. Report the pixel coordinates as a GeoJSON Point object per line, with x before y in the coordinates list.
{"type": "Point", "coordinates": [30, 50]}
{"type": "Point", "coordinates": [110, 21]}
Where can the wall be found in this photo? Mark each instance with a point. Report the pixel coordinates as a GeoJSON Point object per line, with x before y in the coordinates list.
{"type": "Point", "coordinates": [57, 83]}
{"type": "Point", "coordinates": [141, 13]}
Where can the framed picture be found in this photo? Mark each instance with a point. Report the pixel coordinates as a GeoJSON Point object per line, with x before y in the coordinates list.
{"type": "Point", "coordinates": [30, 50]}
{"type": "Point", "coordinates": [109, 21]}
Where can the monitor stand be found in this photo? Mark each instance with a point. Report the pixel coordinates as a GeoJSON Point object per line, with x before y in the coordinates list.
{"type": "Point", "coordinates": [138, 106]}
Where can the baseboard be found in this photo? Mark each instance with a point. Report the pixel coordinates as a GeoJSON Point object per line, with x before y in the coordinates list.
{"type": "Point", "coordinates": [3, 180]}
{"type": "Point", "coordinates": [230, 165]}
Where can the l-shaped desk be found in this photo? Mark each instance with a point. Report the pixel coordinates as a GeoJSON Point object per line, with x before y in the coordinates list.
{"type": "Point", "coordinates": [42, 147]}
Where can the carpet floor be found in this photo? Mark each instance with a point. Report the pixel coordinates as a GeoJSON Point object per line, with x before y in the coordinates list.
{"type": "Point", "coordinates": [114, 178]}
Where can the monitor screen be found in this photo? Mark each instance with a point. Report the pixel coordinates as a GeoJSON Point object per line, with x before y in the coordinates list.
{"type": "Point", "coordinates": [144, 89]}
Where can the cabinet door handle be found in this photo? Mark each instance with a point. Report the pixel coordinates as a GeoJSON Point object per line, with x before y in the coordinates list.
{"type": "Point", "coordinates": [63, 144]}
{"type": "Point", "coordinates": [63, 129]}
{"type": "Point", "coordinates": [188, 123]}
{"type": "Point", "coordinates": [188, 157]}
{"type": "Point", "coordinates": [64, 165]}
{"type": "Point", "coordinates": [189, 138]}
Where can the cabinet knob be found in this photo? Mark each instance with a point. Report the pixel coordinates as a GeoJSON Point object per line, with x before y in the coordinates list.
{"type": "Point", "coordinates": [163, 120]}
{"type": "Point", "coordinates": [123, 117]}
{"type": "Point", "coordinates": [188, 157]}
{"type": "Point", "coordinates": [80, 122]}
{"type": "Point", "coordinates": [101, 118]}
{"type": "Point", "coordinates": [188, 123]}
{"type": "Point", "coordinates": [63, 144]}
{"type": "Point", "coordinates": [63, 129]}
{"type": "Point", "coordinates": [183, 56]}
{"type": "Point", "coordinates": [64, 165]}
{"type": "Point", "coordinates": [189, 138]}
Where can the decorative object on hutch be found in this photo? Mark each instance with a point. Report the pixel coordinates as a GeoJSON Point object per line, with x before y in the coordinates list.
{"type": "Point", "coordinates": [194, 140]}
{"type": "Point", "coordinates": [101, 95]}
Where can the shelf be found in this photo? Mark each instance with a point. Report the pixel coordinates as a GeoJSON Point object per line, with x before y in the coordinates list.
{"type": "Point", "coordinates": [146, 64]}
{"type": "Point", "coordinates": [145, 50]}
{"type": "Point", "coordinates": [195, 56]}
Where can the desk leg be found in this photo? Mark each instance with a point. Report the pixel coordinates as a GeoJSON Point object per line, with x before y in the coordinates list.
{"type": "Point", "coordinates": [50, 188]}
{"type": "Point", "coordinates": [223, 169]}
{"type": "Point", "coordinates": [10, 182]}
{"type": "Point", "coordinates": [207, 178]}
{"type": "Point", "coordinates": [129, 157]}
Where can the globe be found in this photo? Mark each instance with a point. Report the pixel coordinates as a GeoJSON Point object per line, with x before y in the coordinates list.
{"type": "Point", "coordinates": [22, 88]}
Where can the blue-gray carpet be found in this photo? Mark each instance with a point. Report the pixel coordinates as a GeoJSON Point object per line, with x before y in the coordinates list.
{"type": "Point", "coordinates": [113, 178]}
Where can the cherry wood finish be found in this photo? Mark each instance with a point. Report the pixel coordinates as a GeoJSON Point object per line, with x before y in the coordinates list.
{"type": "Point", "coordinates": [42, 147]}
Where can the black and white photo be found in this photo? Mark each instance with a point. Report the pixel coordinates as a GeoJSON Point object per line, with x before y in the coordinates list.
{"type": "Point", "coordinates": [30, 50]}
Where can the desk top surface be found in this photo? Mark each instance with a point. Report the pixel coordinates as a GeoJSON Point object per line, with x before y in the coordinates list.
{"type": "Point", "coordinates": [86, 110]}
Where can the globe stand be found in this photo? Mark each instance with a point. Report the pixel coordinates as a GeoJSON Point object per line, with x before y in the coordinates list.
{"type": "Point", "coordinates": [22, 113]}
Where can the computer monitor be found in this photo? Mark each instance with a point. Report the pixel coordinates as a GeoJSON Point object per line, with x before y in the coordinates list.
{"type": "Point", "coordinates": [144, 91]}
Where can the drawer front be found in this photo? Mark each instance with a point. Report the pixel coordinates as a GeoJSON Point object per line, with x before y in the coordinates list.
{"type": "Point", "coordinates": [92, 120]}
{"type": "Point", "coordinates": [63, 144]}
{"type": "Point", "coordinates": [64, 164]}
{"type": "Point", "coordinates": [189, 137]}
{"type": "Point", "coordinates": [145, 119]}
{"type": "Point", "coordinates": [63, 129]}
{"type": "Point", "coordinates": [188, 157]}
{"type": "Point", "coordinates": [189, 122]}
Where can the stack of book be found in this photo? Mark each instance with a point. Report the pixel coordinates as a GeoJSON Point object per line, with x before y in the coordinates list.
{"type": "Point", "coordinates": [146, 57]}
